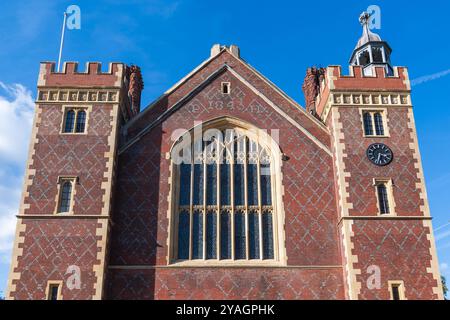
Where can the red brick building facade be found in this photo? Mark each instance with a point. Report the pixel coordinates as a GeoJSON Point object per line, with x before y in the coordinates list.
{"type": "Point", "coordinates": [102, 206]}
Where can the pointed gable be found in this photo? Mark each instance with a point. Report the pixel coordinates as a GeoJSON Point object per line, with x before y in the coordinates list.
{"type": "Point", "coordinates": [225, 60]}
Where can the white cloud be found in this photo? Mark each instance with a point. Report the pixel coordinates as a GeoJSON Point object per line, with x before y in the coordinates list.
{"type": "Point", "coordinates": [444, 266]}
{"type": "Point", "coordinates": [16, 117]}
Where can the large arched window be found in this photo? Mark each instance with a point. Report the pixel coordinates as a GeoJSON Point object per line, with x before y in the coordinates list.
{"type": "Point", "coordinates": [224, 206]}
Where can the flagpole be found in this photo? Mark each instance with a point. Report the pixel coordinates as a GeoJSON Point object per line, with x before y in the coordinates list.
{"type": "Point", "coordinates": [62, 40]}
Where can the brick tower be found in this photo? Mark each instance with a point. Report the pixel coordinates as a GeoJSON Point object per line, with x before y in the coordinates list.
{"type": "Point", "coordinates": [63, 221]}
{"type": "Point", "coordinates": [384, 218]}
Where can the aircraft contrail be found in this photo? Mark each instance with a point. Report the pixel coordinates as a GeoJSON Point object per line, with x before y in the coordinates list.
{"type": "Point", "coordinates": [442, 235]}
{"type": "Point", "coordinates": [429, 77]}
{"type": "Point", "coordinates": [442, 226]}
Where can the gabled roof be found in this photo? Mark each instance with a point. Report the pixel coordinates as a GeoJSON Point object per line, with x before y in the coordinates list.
{"type": "Point", "coordinates": [210, 77]}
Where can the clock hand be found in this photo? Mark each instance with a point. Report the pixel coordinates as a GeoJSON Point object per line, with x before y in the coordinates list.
{"type": "Point", "coordinates": [378, 159]}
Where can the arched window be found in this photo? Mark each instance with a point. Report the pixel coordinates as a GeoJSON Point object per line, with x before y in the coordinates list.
{"type": "Point", "coordinates": [368, 130]}
{"type": "Point", "coordinates": [224, 198]}
{"type": "Point", "coordinates": [65, 197]}
{"type": "Point", "coordinates": [81, 121]}
{"type": "Point", "coordinates": [69, 121]}
{"type": "Point", "coordinates": [383, 198]}
{"type": "Point", "coordinates": [378, 119]}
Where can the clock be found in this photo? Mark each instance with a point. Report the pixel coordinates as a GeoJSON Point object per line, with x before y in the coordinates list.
{"type": "Point", "coordinates": [379, 154]}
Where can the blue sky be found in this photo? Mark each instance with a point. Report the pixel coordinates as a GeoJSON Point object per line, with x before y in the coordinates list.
{"type": "Point", "coordinates": [169, 38]}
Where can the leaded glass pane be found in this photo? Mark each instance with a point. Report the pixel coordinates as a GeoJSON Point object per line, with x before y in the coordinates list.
{"type": "Point", "coordinates": [266, 191]}
{"type": "Point", "coordinates": [183, 235]}
{"type": "Point", "coordinates": [66, 193]}
{"type": "Point", "coordinates": [383, 199]}
{"type": "Point", "coordinates": [267, 227]}
{"type": "Point", "coordinates": [368, 130]}
{"type": "Point", "coordinates": [198, 184]}
{"type": "Point", "coordinates": [225, 183]}
{"type": "Point", "coordinates": [239, 195]}
{"type": "Point", "coordinates": [197, 235]}
{"type": "Point", "coordinates": [225, 235]}
{"type": "Point", "coordinates": [211, 191]}
{"type": "Point", "coordinates": [252, 184]}
{"type": "Point", "coordinates": [81, 121]}
{"type": "Point", "coordinates": [185, 184]}
{"type": "Point", "coordinates": [211, 235]}
{"type": "Point", "coordinates": [379, 129]}
{"type": "Point", "coordinates": [70, 120]}
{"type": "Point", "coordinates": [239, 235]}
{"type": "Point", "coordinates": [253, 234]}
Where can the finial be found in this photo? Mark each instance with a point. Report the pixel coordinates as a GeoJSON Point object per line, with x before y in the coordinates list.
{"type": "Point", "coordinates": [364, 18]}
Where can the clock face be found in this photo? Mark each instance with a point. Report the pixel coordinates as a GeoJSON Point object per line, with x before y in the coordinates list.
{"type": "Point", "coordinates": [379, 154]}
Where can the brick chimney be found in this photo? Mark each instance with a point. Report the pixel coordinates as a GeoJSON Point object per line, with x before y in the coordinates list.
{"type": "Point", "coordinates": [311, 87]}
{"type": "Point", "coordinates": [135, 87]}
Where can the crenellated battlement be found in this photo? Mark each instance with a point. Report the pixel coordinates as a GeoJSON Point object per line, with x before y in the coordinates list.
{"type": "Point", "coordinates": [92, 75]}
{"type": "Point", "coordinates": [334, 83]}
{"type": "Point", "coordinates": [357, 80]}
{"type": "Point", "coordinates": [92, 85]}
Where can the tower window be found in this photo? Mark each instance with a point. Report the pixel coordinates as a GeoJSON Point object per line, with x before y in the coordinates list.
{"type": "Point", "coordinates": [378, 121]}
{"type": "Point", "coordinates": [226, 86]}
{"type": "Point", "coordinates": [224, 209]}
{"type": "Point", "coordinates": [384, 196]}
{"type": "Point", "coordinates": [396, 290]}
{"type": "Point", "coordinates": [53, 291]}
{"type": "Point", "coordinates": [364, 58]}
{"type": "Point", "coordinates": [374, 123]}
{"type": "Point", "coordinates": [377, 55]}
{"type": "Point", "coordinates": [74, 120]}
{"type": "Point", "coordinates": [368, 129]}
{"type": "Point", "coordinates": [81, 121]}
{"type": "Point", "coordinates": [65, 195]}
{"type": "Point", "coordinates": [69, 121]}
{"type": "Point", "coordinates": [383, 200]}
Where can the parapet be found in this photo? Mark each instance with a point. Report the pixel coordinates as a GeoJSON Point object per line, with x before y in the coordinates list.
{"type": "Point", "coordinates": [92, 76]}
{"type": "Point", "coordinates": [92, 85]}
{"type": "Point", "coordinates": [357, 81]}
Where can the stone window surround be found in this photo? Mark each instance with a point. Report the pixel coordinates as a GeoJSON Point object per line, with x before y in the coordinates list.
{"type": "Point", "coordinates": [277, 213]}
{"type": "Point", "coordinates": [61, 180]}
{"type": "Point", "coordinates": [52, 283]}
{"type": "Point", "coordinates": [401, 289]}
{"type": "Point", "coordinates": [389, 189]}
{"type": "Point", "coordinates": [76, 108]}
{"type": "Point", "coordinates": [372, 111]}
